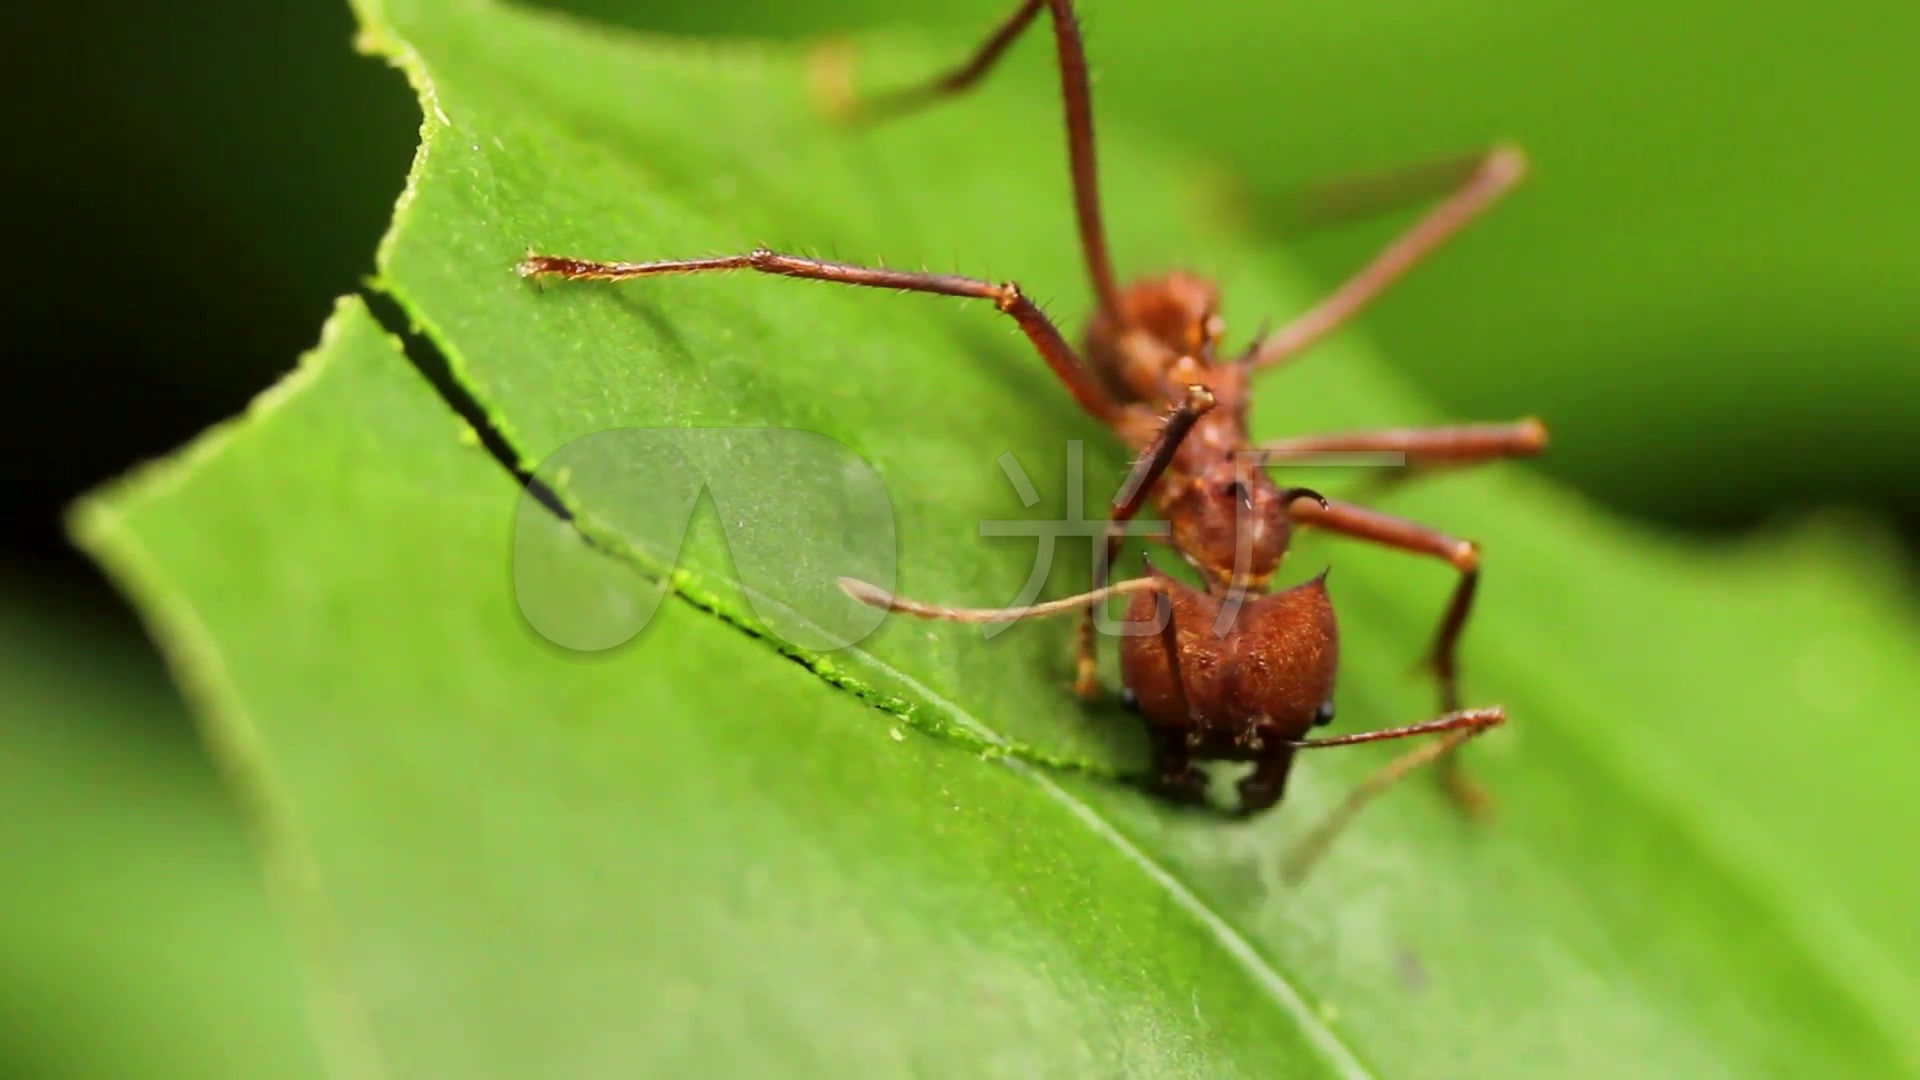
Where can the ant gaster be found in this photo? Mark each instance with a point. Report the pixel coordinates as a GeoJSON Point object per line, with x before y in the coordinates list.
{"type": "Point", "coordinates": [1230, 671]}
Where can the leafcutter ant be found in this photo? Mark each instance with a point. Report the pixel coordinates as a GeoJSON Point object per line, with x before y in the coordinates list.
{"type": "Point", "coordinates": [1231, 671]}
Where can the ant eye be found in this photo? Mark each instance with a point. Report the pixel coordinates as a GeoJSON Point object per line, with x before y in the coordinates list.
{"type": "Point", "coordinates": [1237, 491]}
{"type": "Point", "coordinates": [1324, 716]}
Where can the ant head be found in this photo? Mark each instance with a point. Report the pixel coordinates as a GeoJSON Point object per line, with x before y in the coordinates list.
{"type": "Point", "coordinates": [1179, 310]}
{"type": "Point", "coordinates": [1232, 524]}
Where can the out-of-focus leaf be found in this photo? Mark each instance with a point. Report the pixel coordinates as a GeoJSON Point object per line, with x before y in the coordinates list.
{"type": "Point", "coordinates": [135, 934]}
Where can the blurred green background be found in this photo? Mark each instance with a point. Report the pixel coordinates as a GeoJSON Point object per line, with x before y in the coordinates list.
{"type": "Point", "coordinates": [1707, 287]}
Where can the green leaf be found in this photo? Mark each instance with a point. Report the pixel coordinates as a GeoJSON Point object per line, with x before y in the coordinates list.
{"type": "Point", "coordinates": [695, 858]}
{"type": "Point", "coordinates": [690, 854]}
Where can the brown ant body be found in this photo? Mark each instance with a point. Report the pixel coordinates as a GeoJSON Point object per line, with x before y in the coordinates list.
{"type": "Point", "coordinates": [1230, 671]}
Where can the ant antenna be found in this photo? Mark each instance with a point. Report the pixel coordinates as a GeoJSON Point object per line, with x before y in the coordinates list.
{"type": "Point", "coordinates": [874, 596]}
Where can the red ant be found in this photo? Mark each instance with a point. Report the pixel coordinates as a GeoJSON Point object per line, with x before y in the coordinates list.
{"type": "Point", "coordinates": [1153, 372]}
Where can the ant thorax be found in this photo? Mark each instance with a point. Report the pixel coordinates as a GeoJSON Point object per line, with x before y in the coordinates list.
{"type": "Point", "coordinates": [1165, 332]}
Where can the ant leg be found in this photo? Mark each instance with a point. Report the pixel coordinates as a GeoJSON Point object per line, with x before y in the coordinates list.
{"type": "Point", "coordinates": [1463, 725]}
{"type": "Point", "coordinates": [1499, 170]}
{"type": "Point", "coordinates": [1174, 775]}
{"type": "Point", "coordinates": [1467, 444]}
{"type": "Point", "coordinates": [1126, 505]}
{"type": "Point", "coordinates": [1396, 532]}
{"type": "Point", "coordinates": [1477, 720]}
{"type": "Point", "coordinates": [1173, 770]}
{"type": "Point", "coordinates": [1170, 642]}
{"type": "Point", "coordinates": [1337, 200]}
{"type": "Point", "coordinates": [1267, 784]}
{"type": "Point", "coordinates": [1398, 454]}
{"type": "Point", "coordinates": [1078, 97]}
{"type": "Point", "coordinates": [960, 79]}
{"type": "Point", "coordinates": [1053, 348]}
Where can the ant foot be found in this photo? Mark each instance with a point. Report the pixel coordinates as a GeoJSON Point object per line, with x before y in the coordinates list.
{"type": "Point", "coordinates": [1188, 787]}
{"type": "Point", "coordinates": [1087, 682]}
{"type": "Point", "coordinates": [1469, 796]}
{"type": "Point", "coordinates": [1256, 796]}
{"type": "Point", "coordinates": [830, 79]}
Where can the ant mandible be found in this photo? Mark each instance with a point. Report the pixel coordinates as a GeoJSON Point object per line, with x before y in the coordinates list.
{"type": "Point", "coordinates": [1153, 371]}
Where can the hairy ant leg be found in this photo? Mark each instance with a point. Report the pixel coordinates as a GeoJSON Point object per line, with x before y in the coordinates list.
{"type": "Point", "coordinates": [1497, 172]}
{"type": "Point", "coordinates": [1053, 348]}
{"type": "Point", "coordinates": [1078, 97]}
{"type": "Point", "coordinates": [1133, 495]}
{"type": "Point", "coordinates": [1464, 556]}
{"type": "Point", "coordinates": [1463, 725]}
